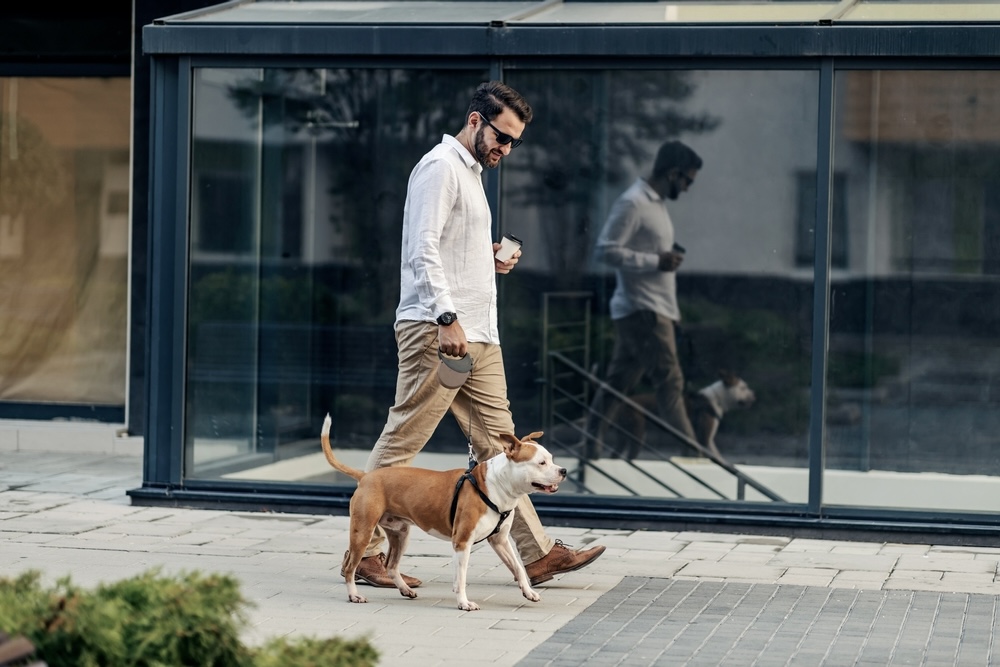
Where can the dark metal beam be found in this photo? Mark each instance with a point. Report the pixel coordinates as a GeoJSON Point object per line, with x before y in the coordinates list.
{"type": "Point", "coordinates": [574, 40]}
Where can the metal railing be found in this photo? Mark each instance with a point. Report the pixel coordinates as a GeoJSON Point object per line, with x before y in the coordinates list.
{"type": "Point", "coordinates": [568, 389]}
{"type": "Point", "coordinates": [565, 327]}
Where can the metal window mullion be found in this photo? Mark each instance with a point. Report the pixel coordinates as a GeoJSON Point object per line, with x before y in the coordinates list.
{"type": "Point", "coordinates": [493, 177]}
{"type": "Point", "coordinates": [170, 103]}
{"type": "Point", "coordinates": [821, 285]}
{"type": "Point", "coordinates": [493, 188]}
{"type": "Point", "coordinates": [181, 254]}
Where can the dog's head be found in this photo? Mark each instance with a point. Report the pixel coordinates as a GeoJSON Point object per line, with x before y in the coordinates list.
{"type": "Point", "coordinates": [532, 463]}
{"type": "Point", "coordinates": [738, 392]}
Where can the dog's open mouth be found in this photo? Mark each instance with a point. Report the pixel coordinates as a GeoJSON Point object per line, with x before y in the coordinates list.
{"type": "Point", "coordinates": [552, 488]}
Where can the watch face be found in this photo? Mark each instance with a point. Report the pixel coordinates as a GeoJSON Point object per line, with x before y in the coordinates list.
{"type": "Point", "coordinates": [447, 318]}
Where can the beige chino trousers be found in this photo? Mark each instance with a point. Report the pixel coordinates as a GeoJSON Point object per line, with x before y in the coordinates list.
{"type": "Point", "coordinates": [480, 404]}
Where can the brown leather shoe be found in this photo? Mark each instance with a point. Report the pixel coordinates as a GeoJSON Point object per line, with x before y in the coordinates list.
{"type": "Point", "coordinates": [371, 570]}
{"type": "Point", "coordinates": [560, 560]}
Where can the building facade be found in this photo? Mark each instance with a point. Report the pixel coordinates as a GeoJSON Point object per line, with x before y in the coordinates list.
{"type": "Point", "coordinates": [841, 247]}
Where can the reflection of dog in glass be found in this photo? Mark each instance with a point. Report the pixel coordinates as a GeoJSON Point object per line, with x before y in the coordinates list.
{"type": "Point", "coordinates": [705, 409]}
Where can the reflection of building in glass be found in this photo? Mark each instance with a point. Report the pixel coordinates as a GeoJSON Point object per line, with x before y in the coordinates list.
{"type": "Point", "coordinates": [926, 150]}
{"type": "Point", "coordinates": [749, 227]}
{"type": "Point", "coordinates": [64, 205]}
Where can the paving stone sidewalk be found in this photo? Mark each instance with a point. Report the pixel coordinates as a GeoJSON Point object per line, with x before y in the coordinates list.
{"type": "Point", "coordinates": [645, 621]}
{"type": "Point", "coordinates": [654, 598]}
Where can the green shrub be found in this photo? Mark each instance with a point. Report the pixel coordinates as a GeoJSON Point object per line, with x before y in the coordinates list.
{"type": "Point", "coordinates": [309, 652]}
{"type": "Point", "coordinates": [152, 620]}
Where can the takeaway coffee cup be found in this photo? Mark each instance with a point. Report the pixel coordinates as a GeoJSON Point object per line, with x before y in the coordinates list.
{"type": "Point", "coordinates": [508, 246]}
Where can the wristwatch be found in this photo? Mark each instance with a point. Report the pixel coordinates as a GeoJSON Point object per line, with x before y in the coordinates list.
{"type": "Point", "coordinates": [446, 319]}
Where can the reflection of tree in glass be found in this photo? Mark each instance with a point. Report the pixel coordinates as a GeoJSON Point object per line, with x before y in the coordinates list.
{"type": "Point", "coordinates": [591, 131]}
{"type": "Point", "coordinates": [39, 283]}
{"type": "Point", "coordinates": [31, 173]}
{"type": "Point", "coordinates": [371, 128]}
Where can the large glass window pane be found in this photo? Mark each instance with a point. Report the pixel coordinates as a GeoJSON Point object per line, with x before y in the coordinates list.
{"type": "Point", "coordinates": [912, 402]}
{"type": "Point", "coordinates": [298, 183]}
{"type": "Point", "coordinates": [744, 289]}
{"type": "Point", "coordinates": [64, 211]}
{"type": "Point", "coordinates": [297, 189]}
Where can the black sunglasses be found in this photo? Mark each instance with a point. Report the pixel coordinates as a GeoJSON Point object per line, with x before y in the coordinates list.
{"type": "Point", "coordinates": [687, 179]}
{"type": "Point", "coordinates": [502, 137]}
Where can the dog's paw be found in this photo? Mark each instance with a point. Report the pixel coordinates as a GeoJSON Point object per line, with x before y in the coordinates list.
{"type": "Point", "coordinates": [468, 605]}
{"type": "Point", "coordinates": [530, 594]}
{"type": "Point", "coordinates": [357, 598]}
{"type": "Point", "coordinates": [407, 593]}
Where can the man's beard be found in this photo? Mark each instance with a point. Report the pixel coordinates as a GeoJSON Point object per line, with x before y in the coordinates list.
{"type": "Point", "coordinates": [482, 152]}
{"type": "Point", "coordinates": [674, 191]}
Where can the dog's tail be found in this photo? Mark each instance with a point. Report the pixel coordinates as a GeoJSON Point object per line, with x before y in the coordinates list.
{"type": "Point", "coordinates": [328, 451]}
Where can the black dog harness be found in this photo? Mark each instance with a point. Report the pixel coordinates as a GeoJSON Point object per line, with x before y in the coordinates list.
{"type": "Point", "coordinates": [485, 498]}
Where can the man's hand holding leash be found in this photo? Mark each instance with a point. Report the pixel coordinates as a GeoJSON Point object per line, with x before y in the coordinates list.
{"type": "Point", "coordinates": [452, 340]}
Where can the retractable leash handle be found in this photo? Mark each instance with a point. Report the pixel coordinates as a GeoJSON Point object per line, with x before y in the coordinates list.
{"type": "Point", "coordinates": [454, 371]}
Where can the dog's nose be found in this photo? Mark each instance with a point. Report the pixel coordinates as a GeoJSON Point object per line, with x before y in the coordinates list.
{"type": "Point", "coordinates": [562, 471]}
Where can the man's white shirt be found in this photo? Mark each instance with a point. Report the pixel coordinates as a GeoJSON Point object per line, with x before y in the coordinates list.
{"type": "Point", "coordinates": [638, 229]}
{"type": "Point", "coordinates": [447, 250]}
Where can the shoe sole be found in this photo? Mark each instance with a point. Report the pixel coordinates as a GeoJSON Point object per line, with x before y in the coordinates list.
{"type": "Point", "coordinates": [549, 576]}
{"type": "Point", "coordinates": [358, 579]}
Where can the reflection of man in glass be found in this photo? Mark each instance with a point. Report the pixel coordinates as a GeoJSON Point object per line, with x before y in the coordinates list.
{"type": "Point", "coordinates": [638, 241]}
{"type": "Point", "coordinates": [448, 301]}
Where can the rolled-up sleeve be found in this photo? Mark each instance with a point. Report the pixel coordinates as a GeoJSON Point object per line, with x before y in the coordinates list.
{"type": "Point", "coordinates": [615, 246]}
{"type": "Point", "coordinates": [433, 192]}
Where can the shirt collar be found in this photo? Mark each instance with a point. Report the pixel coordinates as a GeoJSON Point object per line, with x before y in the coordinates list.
{"type": "Point", "coordinates": [650, 192]}
{"type": "Point", "coordinates": [470, 161]}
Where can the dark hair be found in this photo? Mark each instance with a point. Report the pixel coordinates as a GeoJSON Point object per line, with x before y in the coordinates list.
{"type": "Point", "coordinates": [493, 97]}
{"type": "Point", "coordinates": [675, 155]}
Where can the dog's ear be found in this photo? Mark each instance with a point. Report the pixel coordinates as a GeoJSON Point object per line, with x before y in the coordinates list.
{"type": "Point", "coordinates": [533, 437]}
{"type": "Point", "coordinates": [513, 444]}
{"type": "Point", "coordinates": [728, 377]}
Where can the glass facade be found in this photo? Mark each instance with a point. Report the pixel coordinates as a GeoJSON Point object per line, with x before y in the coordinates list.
{"type": "Point", "coordinates": [912, 383]}
{"type": "Point", "coordinates": [840, 246]}
{"type": "Point", "coordinates": [298, 178]}
{"type": "Point", "coordinates": [64, 234]}
{"type": "Point", "coordinates": [297, 187]}
{"type": "Point", "coordinates": [298, 182]}
{"type": "Point", "coordinates": [746, 306]}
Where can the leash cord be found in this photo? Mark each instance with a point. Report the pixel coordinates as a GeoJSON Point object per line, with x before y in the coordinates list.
{"type": "Point", "coordinates": [472, 480]}
{"type": "Point", "coordinates": [472, 456]}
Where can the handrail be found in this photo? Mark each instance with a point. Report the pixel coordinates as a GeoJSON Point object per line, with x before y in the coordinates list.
{"type": "Point", "coordinates": [596, 382]}
{"type": "Point", "coordinates": [666, 459]}
{"type": "Point", "coordinates": [585, 461]}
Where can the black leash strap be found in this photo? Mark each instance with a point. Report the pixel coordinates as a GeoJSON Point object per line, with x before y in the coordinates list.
{"type": "Point", "coordinates": [483, 496]}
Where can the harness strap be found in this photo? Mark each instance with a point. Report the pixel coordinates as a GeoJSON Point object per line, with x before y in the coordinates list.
{"type": "Point", "coordinates": [483, 496]}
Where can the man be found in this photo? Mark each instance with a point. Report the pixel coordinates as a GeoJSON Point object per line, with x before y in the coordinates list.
{"type": "Point", "coordinates": [448, 303]}
{"type": "Point", "coordinates": [638, 241]}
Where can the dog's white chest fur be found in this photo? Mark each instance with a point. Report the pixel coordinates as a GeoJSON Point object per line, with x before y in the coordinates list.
{"type": "Point", "coordinates": [723, 396]}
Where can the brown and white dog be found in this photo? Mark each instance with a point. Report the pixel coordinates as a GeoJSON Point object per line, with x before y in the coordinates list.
{"type": "Point", "coordinates": [398, 497]}
{"type": "Point", "coordinates": [707, 406]}
{"type": "Point", "coordinates": [705, 409]}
